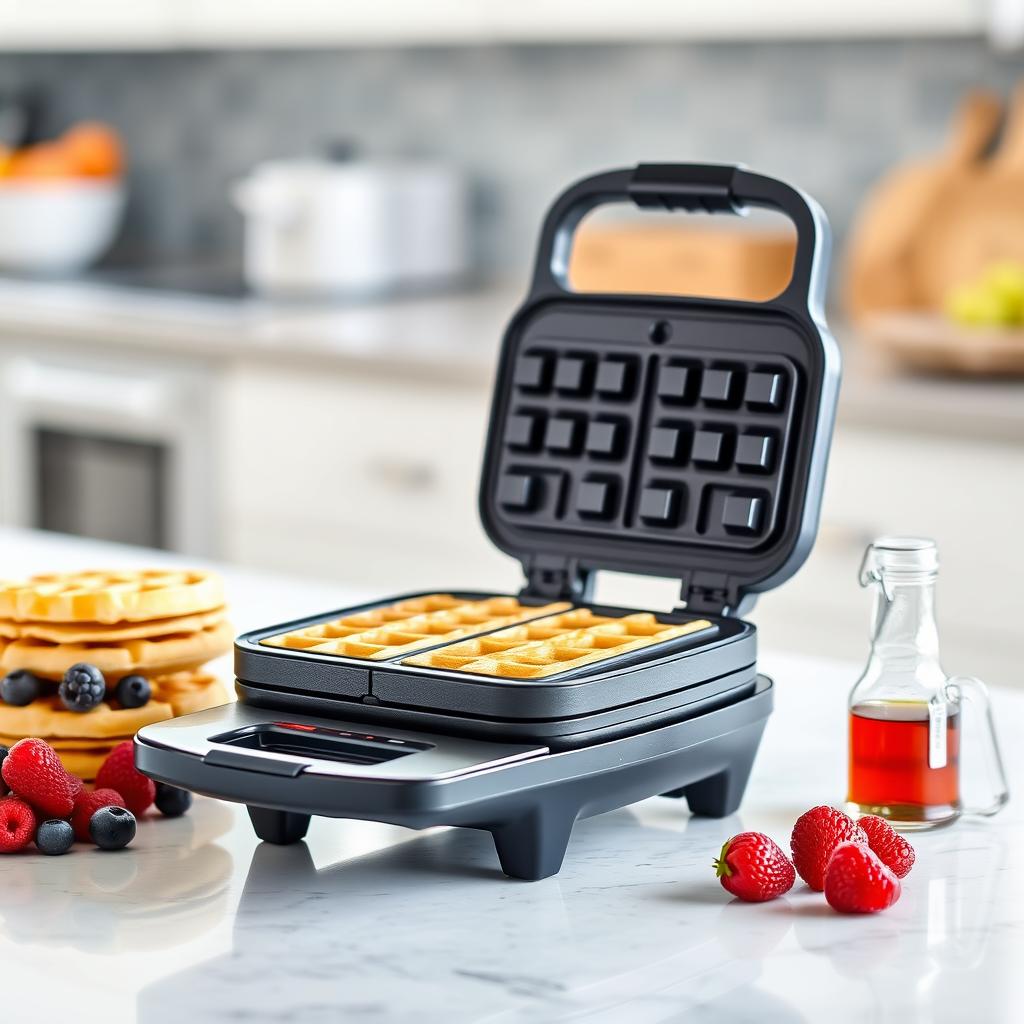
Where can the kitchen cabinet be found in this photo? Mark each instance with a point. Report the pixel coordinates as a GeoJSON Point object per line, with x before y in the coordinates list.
{"type": "Point", "coordinates": [204, 24]}
{"type": "Point", "coordinates": [360, 476]}
{"type": "Point", "coordinates": [967, 494]}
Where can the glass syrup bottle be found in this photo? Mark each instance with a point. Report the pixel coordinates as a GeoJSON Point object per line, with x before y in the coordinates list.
{"type": "Point", "coordinates": [905, 714]}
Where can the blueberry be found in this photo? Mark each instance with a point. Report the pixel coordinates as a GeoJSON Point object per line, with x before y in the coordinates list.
{"type": "Point", "coordinates": [83, 687]}
{"type": "Point", "coordinates": [133, 692]}
{"type": "Point", "coordinates": [19, 688]}
{"type": "Point", "coordinates": [55, 837]}
{"type": "Point", "coordinates": [4, 788]}
{"type": "Point", "coordinates": [112, 828]}
{"type": "Point", "coordinates": [172, 802]}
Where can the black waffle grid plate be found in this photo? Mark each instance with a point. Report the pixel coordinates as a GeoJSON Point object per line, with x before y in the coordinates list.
{"type": "Point", "coordinates": [676, 447]}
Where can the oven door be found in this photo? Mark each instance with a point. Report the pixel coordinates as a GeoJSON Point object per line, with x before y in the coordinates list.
{"type": "Point", "coordinates": [113, 449]}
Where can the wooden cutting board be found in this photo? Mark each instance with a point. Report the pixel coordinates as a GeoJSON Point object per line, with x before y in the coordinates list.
{"type": "Point", "coordinates": [930, 342]}
{"type": "Point", "coordinates": [682, 259]}
{"type": "Point", "coordinates": [886, 267]}
{"type": "Point", "coordinates": [980, 223]}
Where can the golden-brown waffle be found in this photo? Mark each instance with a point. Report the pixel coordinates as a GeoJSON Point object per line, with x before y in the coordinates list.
{"type": "Point", "coordinates": [83, 741]}
{"type": "Point", "coordinates": [178, 693]}
{"type": "Point", "coordinates": [153, 656]}
{"type": "Point", "coordinates": [409, 625]}
{"type": "Point", "coordinates": [102, 632]}
{"type": "Point", "coordinates": [556, 644]}
{"type": "Point", "coordinates": [108, 596]}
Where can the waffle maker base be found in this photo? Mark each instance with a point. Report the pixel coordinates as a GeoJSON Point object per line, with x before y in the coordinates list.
{"type": "Point", "coordinates": [525, 795]}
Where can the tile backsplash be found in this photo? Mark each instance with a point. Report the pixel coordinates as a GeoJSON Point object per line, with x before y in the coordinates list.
{"type": "Point", "coordinates": [523, 120]}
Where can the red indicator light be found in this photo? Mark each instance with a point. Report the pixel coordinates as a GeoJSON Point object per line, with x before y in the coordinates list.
{"type": "Point", "coordinates": [296, 726]}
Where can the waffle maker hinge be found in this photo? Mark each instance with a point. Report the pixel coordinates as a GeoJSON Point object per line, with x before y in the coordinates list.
{"type": "Point", "coordinates": [714, 593]}
{"type": "Point", "coordinates": [553, 578]}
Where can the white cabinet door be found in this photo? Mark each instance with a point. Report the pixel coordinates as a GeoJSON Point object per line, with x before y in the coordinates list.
{"type": "Point", "coordinates": [358, 476]}
{"type": "Point", "coordinates": [968, 496]}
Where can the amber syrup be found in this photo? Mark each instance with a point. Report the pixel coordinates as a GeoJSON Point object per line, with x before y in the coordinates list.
{"type": "Point", "coordinates": [889, 771]}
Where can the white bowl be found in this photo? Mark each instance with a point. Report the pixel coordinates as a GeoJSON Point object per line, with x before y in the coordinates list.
{"type": "Point", "coordinates": [57, 227]}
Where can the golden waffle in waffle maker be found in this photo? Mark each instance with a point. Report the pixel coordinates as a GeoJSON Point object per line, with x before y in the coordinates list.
{"type": "Point", "coordinates": [667, 436]}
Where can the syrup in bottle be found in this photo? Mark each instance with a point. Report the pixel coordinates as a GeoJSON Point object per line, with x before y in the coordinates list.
{"type": "Point", "coordinates": [905, 714]}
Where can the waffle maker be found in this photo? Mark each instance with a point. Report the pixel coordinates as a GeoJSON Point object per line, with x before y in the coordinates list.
{"type": "Point", "coordinates": [668, 436]}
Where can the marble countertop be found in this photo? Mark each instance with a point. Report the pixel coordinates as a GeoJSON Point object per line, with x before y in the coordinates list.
{"type": "Point", "coordinates": [198, 921]}
{"type": "Point", "coordinates": [452, 337]}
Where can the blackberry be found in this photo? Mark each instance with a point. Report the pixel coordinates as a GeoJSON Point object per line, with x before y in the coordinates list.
{"type": "Point", "coordinates": [55, 837]}
{"type": "Point", "coordinates": [83, 687]}
{"type": "Point", "coordinates": [19, 688]}
{"type": "Point", "coordinates": [133, 692]}
{"type": "Point", "coordinates": [172, 802]}
{"type": "Point", "coordinates": [112, 828]}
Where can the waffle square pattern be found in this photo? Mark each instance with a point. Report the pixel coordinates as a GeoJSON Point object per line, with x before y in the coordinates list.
{"type": "Point", "coordinates": [410, 625]}
{"type": "Point", "coordinates": [556, 644]}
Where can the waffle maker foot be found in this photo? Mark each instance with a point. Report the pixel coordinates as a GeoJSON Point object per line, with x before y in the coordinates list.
{"type": "Point", "coordinates": [282, 828]}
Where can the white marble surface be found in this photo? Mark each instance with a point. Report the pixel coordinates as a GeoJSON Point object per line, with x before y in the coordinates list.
{"type": "Point", "coordinates": [197, 921]}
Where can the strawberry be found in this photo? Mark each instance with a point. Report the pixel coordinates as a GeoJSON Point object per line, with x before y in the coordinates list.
{"type": "Point", "coordinates": [118, 772]}
{"type": "Point", "coordinates": [33, 771]}
{"type": "Point", "coordinates": [86, 805]}
{"type": "Point", "coordinates": [857, 882]}
{"type": "Point", "coordinates": [816, 834]}
{"type": "Point", "coordinates": [753, 868]}
{"type": "Point", "coordinates": [17, 824]}
{"type": "Point", "coordinates": [888, 845]}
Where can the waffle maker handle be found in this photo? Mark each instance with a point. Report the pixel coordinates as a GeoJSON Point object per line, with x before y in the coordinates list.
{"type": "Point", "coordinates": [709, 188]}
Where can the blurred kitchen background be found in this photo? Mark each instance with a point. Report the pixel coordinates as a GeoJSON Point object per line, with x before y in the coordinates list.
{"type": "Point", "coordinates": [256, 258]}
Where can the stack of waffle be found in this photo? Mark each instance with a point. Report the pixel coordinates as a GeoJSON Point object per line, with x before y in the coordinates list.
{"type": "Point", "coordinates": [162, 625]}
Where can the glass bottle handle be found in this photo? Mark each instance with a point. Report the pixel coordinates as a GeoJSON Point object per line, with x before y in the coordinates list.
{"type": "Point", "coordinates": [973, 691]}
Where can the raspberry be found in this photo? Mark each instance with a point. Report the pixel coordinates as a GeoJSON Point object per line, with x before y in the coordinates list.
{"type": "Point", "coordinates": [77, 785]}
{"type": "Point", "coordinates": [888, 845]}
{"type": "Point", "coordinates": [816, 834]}
{"type": "Point", "coordinates": [118, 772]}
{"type": "Point", "coordinates": [17, 824]}
{"type": "Point", "coordinates": [753, 868]}
{"type": "Point", "coordinates": [857, 882]}
{"type": "Point", "coordinates": [33, 771]}
{"type": "Point", "coordinates": [87, 804]}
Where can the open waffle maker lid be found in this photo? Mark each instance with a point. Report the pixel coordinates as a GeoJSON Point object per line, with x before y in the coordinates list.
{"type": "Point", "coordinates": [664, 435]}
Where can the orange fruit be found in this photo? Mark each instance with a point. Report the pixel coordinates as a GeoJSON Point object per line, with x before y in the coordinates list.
{"type": "Point", "coordinates": [43, 161]}
{"type": "Point", "coordinates": [93, 150]}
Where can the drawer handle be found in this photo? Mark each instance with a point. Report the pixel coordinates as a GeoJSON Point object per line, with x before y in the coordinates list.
{"type": "Point", "coordinates": [400, 476]}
